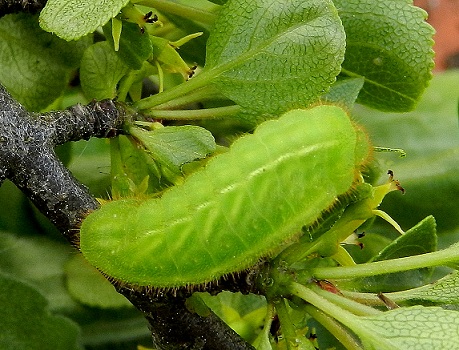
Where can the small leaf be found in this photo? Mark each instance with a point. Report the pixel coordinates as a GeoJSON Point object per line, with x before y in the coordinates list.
{"type": "Point", "coordinates": [130, 167]}
{"type": "Point", "coordinates": [26, 323]}
{"type": "Point", "coordinates": [420, 239]}
{"type": "Point", "coordinates": [270, 57]}
{"type": "Point", "coordinates": [414, 327]}
{"type": "Point", "coordinates": [328, 220]}
{"type": "Point", "coordinates": [101, 70]}
{"type": "Point", "coordinates": [134, 46]}
{"type": "Point", "coordinates": [72, 19]}
{"type": "Point", "coordinates": [390, 45]}
{"type": "Point", "coordinates": [344, 92]}
{"type": "Point", "coordinates": [35, 65]}
{"type": "Point", "coordinates": [166, 53]}
{"type": "Point", "coordinates": [443, 291]}
{"type": "Point", "coordinates": [117, 27]}
{"type": "Point", "coordinates": [174, 146]}
{"type": "Point", "coordinates": [89, 287]}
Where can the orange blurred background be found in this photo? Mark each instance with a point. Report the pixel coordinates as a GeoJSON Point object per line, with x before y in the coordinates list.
{"type": "Point", "coordinates": [444, 17]}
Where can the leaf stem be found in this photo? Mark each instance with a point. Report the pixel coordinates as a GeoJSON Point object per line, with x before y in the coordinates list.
{"type": "Point", "coordinates": [288, 329]}
{"type": "Point", "coordinates": [192, 114]}
{"type": "Point", "coordinates": [343, 257]}
{"type": "Point", "coordinates": [205, 93]}
{"type": "Point", "coordinates": [355, 215]}
{"type": "Point", "coordinates": [327, 244]}
{"type": "Point", "coordinates": [441, 257]}
{"type": "Point", "coordinates": [177, 91]}
{"type": "Point", "coordinates": [339, 332]}
{"type": "Point", "coordinates": [348, 304]}
{"type": "Point", "coordinates": [125, 85]}
{"type": "Point", "coordinates": [366, 298]}
{"type": "Point", "coordinates": [160, 77]}
{"type": "Point", "coordinates": [343, 316]}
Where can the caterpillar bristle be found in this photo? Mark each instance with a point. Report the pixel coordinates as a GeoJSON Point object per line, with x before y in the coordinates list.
{"type": "Point", "coordinates": [241, 281]}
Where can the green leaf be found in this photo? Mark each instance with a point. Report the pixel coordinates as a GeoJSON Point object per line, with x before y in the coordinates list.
{"type": "Point", "coordinates": [101, 70]}
{"type": "Point", "coordinates": [88, 286]}
{"type": "Point", "coordinates": [420, 239]}
{"type": "Point", "coordinates": [244, 313]}
{"type": "Point", "coordinates": [17, 217]}
{"type": "Point", "coordinates": [414, 327]}
{"type": "Point", "coordinates": [131, 167]}
{"type": "Point", "coordinates": [35, 65]}
{"type": "Point", "coordinates": [390, 45]}
{"type": "Point", "coordinates": [270, 57]}
{"type": "Point", "coordinates": [329, 219]}
{"type": "Point", "coordinates": [174, 146]}
{"type": "Point", "coordinates": [72, 19]}
{"type": "Point", "coordinates": [429, 135]}
{"type": "Point", "coordinates": [344, 92]}
{"type": "Point", "coordinates": [218, 2]}
{"type": "Point", "coordinates": [134, 46]}
{"type": "Point", "coordinates": [166, 53]}
{"type": "Point", "coordinates": [114, 330]}
{"type": "Point", "coordinates": [91, 165]}
{"type": "Point", "coordinates": [40, 262]}
{"type": "Point", "coordinates": [26, 323]}
{"type": "Point", "coordinates": [194, 51]}
{"type": "Point", "coordinates": [443, 291]}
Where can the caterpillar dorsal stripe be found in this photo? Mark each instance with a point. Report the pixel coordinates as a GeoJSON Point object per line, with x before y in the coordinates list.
{"type": "Point", "coordinates": [239, 208]}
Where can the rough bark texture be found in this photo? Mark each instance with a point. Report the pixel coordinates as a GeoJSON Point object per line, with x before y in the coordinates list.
{"type": "Point", "coordinates": [14, 6]}
{"type": "Point", "coordinates": [174, 327]}
{"type": "Point", "coordinates": [28, 159]}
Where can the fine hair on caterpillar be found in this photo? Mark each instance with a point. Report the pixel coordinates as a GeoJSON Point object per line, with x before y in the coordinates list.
{"type": "Point", "coordinates": [242, 206]}
{"type": "Point", "coordinates": [244, 282]}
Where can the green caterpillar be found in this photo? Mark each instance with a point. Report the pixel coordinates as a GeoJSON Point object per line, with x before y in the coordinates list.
{"type": "Point", "coordinates": [239, 208]}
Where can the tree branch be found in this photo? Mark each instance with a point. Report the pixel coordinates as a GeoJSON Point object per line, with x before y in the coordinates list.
{"type": "Point", "coordinates": [174, 327]}
{"type": "Point", "coordinates": [28, 159]}
{"type": "Point", "coordinates": [15, 6]}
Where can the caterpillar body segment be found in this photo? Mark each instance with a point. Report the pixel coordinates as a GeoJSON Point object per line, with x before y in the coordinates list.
{"type": "Point", "coordinates": [242, 206]}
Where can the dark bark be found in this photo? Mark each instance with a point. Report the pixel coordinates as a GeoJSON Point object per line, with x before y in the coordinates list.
{"type": "Point", "coordinates": [174, 327]}
{"type": "Point", "coordinates": [15, 6]}
{"type": "Point", "coordinates": [28, 159]}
